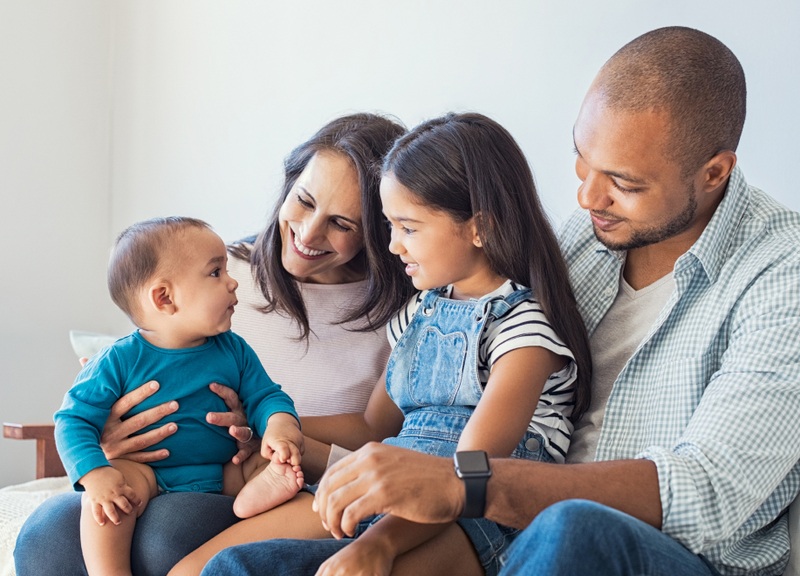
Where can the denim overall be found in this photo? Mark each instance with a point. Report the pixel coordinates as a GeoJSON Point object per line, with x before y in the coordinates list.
{"type": "Point", "coordinates": [432, 376]}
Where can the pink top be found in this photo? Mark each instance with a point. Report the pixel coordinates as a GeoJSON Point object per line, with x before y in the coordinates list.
{"type": "Point", "coordinates": [336, 370]}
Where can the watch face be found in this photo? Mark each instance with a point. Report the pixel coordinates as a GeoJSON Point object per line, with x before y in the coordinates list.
{"type": "Point", "coordinates": [472, 462]}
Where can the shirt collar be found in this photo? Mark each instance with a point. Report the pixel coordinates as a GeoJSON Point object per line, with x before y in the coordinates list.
{"type": "Point", "coordinates": [711, 248]}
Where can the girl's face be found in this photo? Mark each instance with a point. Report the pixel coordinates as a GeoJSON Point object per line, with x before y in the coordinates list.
{"type": "Point", "coordinates": [320, 222]}
{"type": "Point", "coordinates": [436, 249]}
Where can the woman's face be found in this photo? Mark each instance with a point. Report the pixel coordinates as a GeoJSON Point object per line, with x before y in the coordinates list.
{"type": "Point", "coordinates": [320, 222]}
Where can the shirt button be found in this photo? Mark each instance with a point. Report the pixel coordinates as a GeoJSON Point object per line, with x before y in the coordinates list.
{"type": "Point", "coordinates": [532, 444]}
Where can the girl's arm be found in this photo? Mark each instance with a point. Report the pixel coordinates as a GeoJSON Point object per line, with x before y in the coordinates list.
{"type": "Point", "coordinates": [499, 421]}
{"type": "Point", "coordinates": [509, 400]}
{"type": "Point", "coordinates": [381, 419]}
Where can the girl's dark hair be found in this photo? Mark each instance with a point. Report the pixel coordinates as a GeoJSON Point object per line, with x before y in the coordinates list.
{"type": "Point", "coordinates": [467, 165]}
{"type": "Point", "coordinates": [364, 139]}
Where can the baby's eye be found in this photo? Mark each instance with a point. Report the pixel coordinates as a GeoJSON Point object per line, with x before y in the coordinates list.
{"type": "Point", "coordinates": [216, 273]}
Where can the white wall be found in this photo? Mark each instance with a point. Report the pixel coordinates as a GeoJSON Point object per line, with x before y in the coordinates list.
{"type": "Point", "coordinates": [207, 97]}
{"type": "Point", "coordinates": [54, 216]}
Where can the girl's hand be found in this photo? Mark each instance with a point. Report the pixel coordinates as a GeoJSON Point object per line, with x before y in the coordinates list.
{"type": "Point", "coordinates": [236, 422]}
{"type": "Point", "coordinates": [118, 440]}
{"type": "Point", "coordinates": [358, 558]}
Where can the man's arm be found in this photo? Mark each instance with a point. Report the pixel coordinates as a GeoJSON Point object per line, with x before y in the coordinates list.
{"type": "Point", "coordinates": [421, 488]}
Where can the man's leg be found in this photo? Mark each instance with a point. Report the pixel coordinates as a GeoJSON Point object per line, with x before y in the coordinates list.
{"type": "Point", "coordinates": [282, 556]}
{"type": "Point", "coordinates": [582, 537]}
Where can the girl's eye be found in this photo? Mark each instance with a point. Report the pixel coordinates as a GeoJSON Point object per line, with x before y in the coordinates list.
{"type": "Point", "coordinates": [215, 273]}
{"type": "Point", "coordinates": [304, 203]}
{"type": "Point", "coordinates": [407, 231]}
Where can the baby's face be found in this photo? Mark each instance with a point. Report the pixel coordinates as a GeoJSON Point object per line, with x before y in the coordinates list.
{"type": "Point", "coordinates": [204, 293]}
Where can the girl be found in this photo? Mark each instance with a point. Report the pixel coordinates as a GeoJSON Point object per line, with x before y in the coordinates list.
{"type": "Point", "coordinates": [480, 361]}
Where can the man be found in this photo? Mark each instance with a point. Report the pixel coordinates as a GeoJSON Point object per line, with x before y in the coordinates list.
{"type": "Point", "coordinates": [688, 280]}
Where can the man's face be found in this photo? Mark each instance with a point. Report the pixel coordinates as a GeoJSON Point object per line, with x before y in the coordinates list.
{"type": "Point", "coordinates": [635, 194]}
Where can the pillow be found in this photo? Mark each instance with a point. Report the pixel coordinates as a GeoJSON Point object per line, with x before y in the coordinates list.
{"type": "Point", "coordinates": [87, 344]}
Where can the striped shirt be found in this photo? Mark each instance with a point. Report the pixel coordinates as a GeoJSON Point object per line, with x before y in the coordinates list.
{"type": "Point", "coordinates": [712, 394]}
{"type": "Point", "coordinates": [523, 326]}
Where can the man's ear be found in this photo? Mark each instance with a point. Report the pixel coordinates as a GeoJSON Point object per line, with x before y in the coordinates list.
{"type": "Point", "coordinates": [160, 297]}
{"type": "Point", "coordinates": [716, 171]}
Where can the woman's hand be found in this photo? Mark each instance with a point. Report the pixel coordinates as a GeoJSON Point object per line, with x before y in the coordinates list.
{"type": "Point", "coordinates": [118, 440]}
{"type": "Point", "coordinates": [236, 422]}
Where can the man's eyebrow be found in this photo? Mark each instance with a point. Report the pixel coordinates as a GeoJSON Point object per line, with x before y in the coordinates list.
{"type": "Point", "coordinates": [614, 173]}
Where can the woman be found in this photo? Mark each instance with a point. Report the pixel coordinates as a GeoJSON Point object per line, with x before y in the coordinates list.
{"type": "Point", "coordinates": [315, 287]}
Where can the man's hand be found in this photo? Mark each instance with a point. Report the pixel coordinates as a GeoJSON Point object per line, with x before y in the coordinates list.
{"type": "Point", "coordinates": [118, 440]}
{"type": "Point", "coordinates": [383, 479]}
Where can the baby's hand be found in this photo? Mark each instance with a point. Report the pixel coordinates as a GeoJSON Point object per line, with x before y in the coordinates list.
{"type": "Point", "coordinates": [108, 493]}
{"type": "Point", "coordinates": [283, 440]}
{"type": "Point", "coordinates": [358, 560]}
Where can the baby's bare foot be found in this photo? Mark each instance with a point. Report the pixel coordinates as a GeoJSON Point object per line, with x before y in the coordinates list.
{"type": "Point", "coordinates": [276, 484]}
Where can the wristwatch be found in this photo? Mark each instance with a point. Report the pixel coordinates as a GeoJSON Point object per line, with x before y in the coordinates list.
{"type": "Point", "coordinates": [472, 466]}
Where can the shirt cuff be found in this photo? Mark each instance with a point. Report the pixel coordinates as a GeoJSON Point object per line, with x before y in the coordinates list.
{"type": "Point", "coordinates": [336, 454]}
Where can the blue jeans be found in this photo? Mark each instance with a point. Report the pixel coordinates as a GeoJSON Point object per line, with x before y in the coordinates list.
{"type": "Point", "coordinates": [171, 527]}
{"type": "Point", "coordinates": [568, 538]}
{"type": "Point", "coordinates": [582, 537]}
{"type": "Point", "coordinates": [285, 557]}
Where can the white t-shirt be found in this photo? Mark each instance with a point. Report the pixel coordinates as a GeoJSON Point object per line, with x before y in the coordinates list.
{"type": "Point", "coordinates": [613, 342]}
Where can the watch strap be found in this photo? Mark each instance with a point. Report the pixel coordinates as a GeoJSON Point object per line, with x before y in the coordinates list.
{"type": "Point", "coordinates": [475, 504]}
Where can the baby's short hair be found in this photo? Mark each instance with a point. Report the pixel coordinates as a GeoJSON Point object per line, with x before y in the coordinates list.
{"type": "Point", "coordinates": [136, 256]}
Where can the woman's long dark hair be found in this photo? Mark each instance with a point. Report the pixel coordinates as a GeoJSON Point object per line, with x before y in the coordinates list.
{"type": "Point", "coordinates": [467, 165]}
{"type": "Point", "coordinates": [364, 139]}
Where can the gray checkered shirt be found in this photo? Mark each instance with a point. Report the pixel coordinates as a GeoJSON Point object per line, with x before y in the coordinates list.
{"type": "Point", "coordinates": [712, 394]}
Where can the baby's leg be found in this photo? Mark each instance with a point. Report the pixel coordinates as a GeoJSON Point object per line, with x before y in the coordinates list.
{"type": "Point", "coordinates": [267, 484]}
{"type": "Point", "coordinates": [294, 519]}
{"type": "Point", "coordinates": [107, 548]}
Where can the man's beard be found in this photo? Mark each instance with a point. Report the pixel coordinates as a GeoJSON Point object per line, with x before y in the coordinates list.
{"type": "Point", "coordinates": [649, 236]}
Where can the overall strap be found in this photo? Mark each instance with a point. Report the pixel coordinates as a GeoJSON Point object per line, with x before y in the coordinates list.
{"type": "Point", "coordinates": [498, 306]}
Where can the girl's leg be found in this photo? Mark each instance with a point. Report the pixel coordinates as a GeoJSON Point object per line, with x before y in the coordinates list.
{"type": "Point", "coordinates": [448, 553]}
{"type": "Point", "coordinates": [582, 537]}
{"type": "Point", "coordinates": [294, 519]}
{"type": "Point", "coordinates": [107, 548]}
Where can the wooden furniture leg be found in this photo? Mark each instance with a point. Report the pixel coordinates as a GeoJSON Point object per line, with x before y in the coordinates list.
{"type": "Point", "coordinates": [48, 462]}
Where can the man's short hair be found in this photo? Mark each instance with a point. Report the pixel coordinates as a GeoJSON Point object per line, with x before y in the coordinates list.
{"type": "Point", "coordinates": [692, 76]}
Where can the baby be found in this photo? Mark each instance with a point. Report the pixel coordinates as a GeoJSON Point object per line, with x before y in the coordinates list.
{"type": "Point", "coordinates": [169, 276]}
